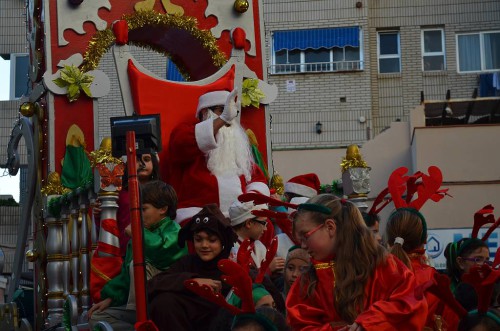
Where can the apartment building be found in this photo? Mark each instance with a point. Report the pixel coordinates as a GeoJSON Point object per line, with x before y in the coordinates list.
{"type": "Point", "coordinates": [347, 69]}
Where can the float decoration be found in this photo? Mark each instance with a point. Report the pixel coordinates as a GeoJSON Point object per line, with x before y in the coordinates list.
{"type": "Point", "coordinates": [74, 80]}
{"type": "Point", "coordinates": [251, 94]}
{"type": "Point", "coordinates": [54, 186]}
{"type": "Point", "coordinates": [257, 156]}
{"type": "Point", "coordinates": [103, 40]}
{"type": "Point", "coordinates": [76, 169]}
{"type": "Point", "coordinates": [74, 17]}
{"type": "Point", "coordinates": [103, 154]}
{"type": "Point", "coordinates": [355, 175]}
{"type": "Point", "coordinates": [232, 18]}
{"type": "Point", "coordinates": [353, 159]}
{"type": "Point", "coordinates": [70, 75]}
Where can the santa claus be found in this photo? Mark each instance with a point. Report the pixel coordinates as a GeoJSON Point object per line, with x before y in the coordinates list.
{"type": "Point", "coordinates": [210, 160]}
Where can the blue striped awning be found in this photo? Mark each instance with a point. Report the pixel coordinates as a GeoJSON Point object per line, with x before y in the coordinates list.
{"type": "Point", "coordinates": [316, 38]}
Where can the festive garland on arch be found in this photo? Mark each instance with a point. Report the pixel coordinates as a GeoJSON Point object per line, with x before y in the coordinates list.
{"type": "Point", "coordinates": [103, 40]}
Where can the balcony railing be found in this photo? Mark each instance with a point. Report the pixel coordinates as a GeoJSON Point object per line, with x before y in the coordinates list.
{"type": "Point", "coordinates": [293, 68]}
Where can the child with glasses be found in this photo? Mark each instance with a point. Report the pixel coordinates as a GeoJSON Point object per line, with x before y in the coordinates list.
{"type": "Point", "coordinates": [353, 283]}
{"type": "Point", "coordinates": [461, 256]}
{"type": "Point", "coordinates": [248, 226]}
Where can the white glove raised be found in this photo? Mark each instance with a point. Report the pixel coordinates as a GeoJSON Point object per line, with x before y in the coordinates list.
{"type": "Point", "coordinates": [231, 107]}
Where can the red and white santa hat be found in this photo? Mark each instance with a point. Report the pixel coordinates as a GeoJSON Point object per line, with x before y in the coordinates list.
{"type": "Point", "coordinates": [210, 99]}
{"type": "Point", "coordinates": [239, 211]}
{"type": "Point", "coordinates": [306, 185]}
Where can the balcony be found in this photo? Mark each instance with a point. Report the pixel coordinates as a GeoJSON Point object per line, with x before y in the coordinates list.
{"type": "Point", "coordinates": [294, 68]}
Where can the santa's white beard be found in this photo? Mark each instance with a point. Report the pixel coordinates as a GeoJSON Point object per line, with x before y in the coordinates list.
{"type": "Point", "coordinates": [233, 155]}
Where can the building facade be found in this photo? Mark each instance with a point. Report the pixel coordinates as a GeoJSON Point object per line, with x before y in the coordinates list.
{"type": "Point", "coordinates": [406, 51]}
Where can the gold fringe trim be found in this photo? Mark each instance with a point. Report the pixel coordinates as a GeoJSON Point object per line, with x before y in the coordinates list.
{"type": "Point", "coordinates": [103, 40]}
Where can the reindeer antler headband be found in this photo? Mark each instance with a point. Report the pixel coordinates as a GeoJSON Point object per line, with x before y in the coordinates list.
{"type": "Point", "coordinates": [426, 186]}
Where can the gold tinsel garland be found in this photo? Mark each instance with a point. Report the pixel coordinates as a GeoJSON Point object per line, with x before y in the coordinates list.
{"type": "Point", "coordinates": [103, 40]}
{"type": "Point", "coordinates": [352, 163]}
{"type": "Point", "coordinates": [98, 46]}
{"type": "Point", "coordinates": [102, 156]}
{"type": "Point", "coordinates": [54, 185]}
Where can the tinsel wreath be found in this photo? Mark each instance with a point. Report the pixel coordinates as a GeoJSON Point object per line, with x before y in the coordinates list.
{"type": "Point", "coordinates": [103, 40]}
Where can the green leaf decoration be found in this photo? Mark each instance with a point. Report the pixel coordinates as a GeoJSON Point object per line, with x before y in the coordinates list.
{"type": "Point", "coordinates": [251, 94]}
{"type": "Point", "coordinates": [74, 80]}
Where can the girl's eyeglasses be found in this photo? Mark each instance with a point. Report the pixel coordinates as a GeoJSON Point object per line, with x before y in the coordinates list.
{"type": "Point", "coordinates": [478, 260]}
{"type": "Point", "coordinates": [302, 239]}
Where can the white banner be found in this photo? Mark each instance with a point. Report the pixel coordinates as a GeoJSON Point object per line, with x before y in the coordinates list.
{"type": "Point", "coordinates": [437, 239]}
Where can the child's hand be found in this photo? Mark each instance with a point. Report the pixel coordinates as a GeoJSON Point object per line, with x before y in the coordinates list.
{"type": "Point", "coordinates": [97, 207]}
{"type": "Point", "coordinates": [100, 306]}
{"type": "Point", "coordinates": [216, 285]}
{"type": "Point", "coordinates": [128, 230]}
{"type": "Point", "coordinates": [277, 264]}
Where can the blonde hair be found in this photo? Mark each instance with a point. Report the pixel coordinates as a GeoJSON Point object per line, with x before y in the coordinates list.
{"type": "Point", "coordinates": [356, 250]}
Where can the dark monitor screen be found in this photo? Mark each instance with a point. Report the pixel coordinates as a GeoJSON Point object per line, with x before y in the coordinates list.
{"type": "Point", "coordinates": [147, 134]}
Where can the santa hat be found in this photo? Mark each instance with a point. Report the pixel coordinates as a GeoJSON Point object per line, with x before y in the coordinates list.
{"type": "Point", "coordinates": [239, 212]}
{"type": "Point", "coordinates": [307, 185]}
{"type": "Point", "coordinates": [210, 99]}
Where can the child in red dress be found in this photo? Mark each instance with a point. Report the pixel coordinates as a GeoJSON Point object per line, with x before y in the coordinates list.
{"type": "Point", "coordinates": [353, 283]}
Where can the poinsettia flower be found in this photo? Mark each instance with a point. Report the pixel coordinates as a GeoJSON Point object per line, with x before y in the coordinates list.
{"type": "Point", "coordinates": [251, 94]}
{"type": "Point", "coordinates": [74, 80]}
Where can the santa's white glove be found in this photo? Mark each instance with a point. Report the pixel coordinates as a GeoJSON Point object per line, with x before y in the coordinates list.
{"type": "Point", "coordinates": [230, 108]}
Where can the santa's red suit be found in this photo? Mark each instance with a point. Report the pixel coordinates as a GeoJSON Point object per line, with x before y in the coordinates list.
{"type": "Point", "coordinates": [195, 185]}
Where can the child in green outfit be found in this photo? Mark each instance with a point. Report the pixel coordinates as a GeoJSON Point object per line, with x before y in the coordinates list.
{"type": "Point", "coordinates": [159, 205]}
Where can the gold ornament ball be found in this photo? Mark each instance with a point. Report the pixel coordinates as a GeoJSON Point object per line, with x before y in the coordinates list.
{"type": "Point", "coordinates": [32, 255]}
{"type": "Point", "coordinates": [27, 109]}
{"type": "Point", "coordinates": [241, 6]}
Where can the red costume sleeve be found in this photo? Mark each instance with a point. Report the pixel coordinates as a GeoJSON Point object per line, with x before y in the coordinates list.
{"type": "Point", "coordinates": [317, 311]}
{"type": "Point", "coordinates": [309, 314]}
{"type": "Point", "coordinates": [424, 273]}
{"type": "Point", "coordinates": [183, 147]}
{"type": "Point", "coordinates": [391, 302]}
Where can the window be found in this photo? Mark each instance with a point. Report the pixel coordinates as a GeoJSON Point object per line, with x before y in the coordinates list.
{"type": "Point", "coordinates": [389, 54]}
{"type": "Point", "coordinates": [478, 51]}
{"type": "Point", "coordinates": [19, 75]}
{"type": "Point", "coordinates": [433, 58]}
{"type": "Point", "coordinates": [317, 50]}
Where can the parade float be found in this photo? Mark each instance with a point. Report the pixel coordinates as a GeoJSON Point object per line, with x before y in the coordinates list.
{"type": "Point", "coordinates": [214, 44]}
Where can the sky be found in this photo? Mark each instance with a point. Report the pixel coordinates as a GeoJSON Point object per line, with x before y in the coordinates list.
{"type": "Point", "coordinates": [8, 184]}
